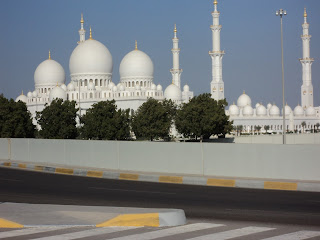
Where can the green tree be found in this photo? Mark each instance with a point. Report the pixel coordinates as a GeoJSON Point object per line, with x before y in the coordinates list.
{"type": "Point", "coordinates": [266, 127]}
{"type": "Point", "coordinates": [202, 117]}
{"type": "Point", "coordinates": [257, 128]}
{"type": "Point", "coordinates": [15, 119]}
{"type": "Point", "coordinates": [58, 120]}
{"type": "Point", "coordinates": [153, 119]}
{"type": "Point", "coordinates": [104, 122]}
{"type": "Point", "coordinates": [317, 126]}
{"type": "Point", "coordinates": [239, 129]}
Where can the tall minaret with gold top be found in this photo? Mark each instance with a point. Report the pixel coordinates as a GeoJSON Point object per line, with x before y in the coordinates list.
{"type": "Point", "coordinates": [82, 32]}
{"type": "Point", "coordinates": [175, 71]}
{"type": "Point", "coordinates": [217, 84]}
{"type": "Point", "coordinates": [306, 61]}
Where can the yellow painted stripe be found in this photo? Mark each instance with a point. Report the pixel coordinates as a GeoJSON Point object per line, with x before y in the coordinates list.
{"type": "Point", "coordinates": [221, 182]}
{"type": "Point", "coordinates": [133, 220]}
{"type": "Point", "coordinates": [281, 186]}
{"type": "Point", "coordinates": [38, 168]}
{"type": "Point", "coordinates": [95, 174]}
{"type": "Point", "coordinates": [170, 179]}
{"type": "Point", "coordinates": [8, 224]}
{"type": "Point", "coordinates": [22, 165]}
{"type": "Point", "coordinates": [64, 171]}
{"type": "Point", "coordinates": [127, 176]}
{"type": "Point", "coordinates": [7, 164]}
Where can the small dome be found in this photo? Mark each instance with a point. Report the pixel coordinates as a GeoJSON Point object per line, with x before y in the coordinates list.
{"type": "Point", "coordinates": [22, 98]}
{"type": "Point", "coordinates": [91, 86]}
{"type": "Point", "coordinates": [64, 87]}
{"type": "Point", "coordinates": [172, 92]}
{"type": "Point", "coordinates": [114, 88]}
{"type": "Point", "coordinates": [261, 110]}
{"type": "Point", "coordinates": [136, 64]}
{"type": "Point", "coordinates": [111, 85]}
{"type": "Point", "coordinates": [247, 111]}
{"type": "Point", "coordinates": [91, 56]}
{"type": "Point", "coordinates": [288, 110]}
{"type": "Point", "coordinates": [186, 88]}
{"type": "Point", "coordinates": [234, 110]}
{"type": "Point", "coordinates": [269, 106]}
{"type": "Point", "coordinates": [34, 94]}
{"type": "Point", "coordinates": [244, 100]}
{"type": "Point", "coordinates": [70, 87]}
{"type": "Point", "coordinates": [298, 111]}
{"type": "Point", "coordinates": [29, 95]}
{"type": "Point", "coordinates": [274, 111]}
{"type": "Point", "coordinates": [121, 87]}
{"type": "Point", "coordinates": [153, 86]}
{"type": "Point", "coordinates": [310, 111]}
{"type": "Point", "coordinates": [257, 105]}
{"type": "Point", "coordinates": [57, 92]}
{"type": "Point", "coordinates": [49, 72]}
{"type": "Point", "coordinates": [159, 88]}
{"type": "Point", "coordinates": [138, 87]}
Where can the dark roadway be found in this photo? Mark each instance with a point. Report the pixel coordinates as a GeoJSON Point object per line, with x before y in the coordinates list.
{"type": "Point", "coordinates": [199, 202]}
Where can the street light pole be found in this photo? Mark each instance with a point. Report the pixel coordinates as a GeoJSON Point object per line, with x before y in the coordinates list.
{"type": "Point", "coordinates": [281, 13]}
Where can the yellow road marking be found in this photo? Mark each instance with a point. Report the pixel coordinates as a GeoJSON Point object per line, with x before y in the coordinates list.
{"type": "Point", "coordinates": [22, 165]}
{"type": "Point", "coordinates": [170, 179]}
{"type": "Point", "coordinates": [94, 174]}
{"type": "Point", "coordinates": [64, 171]}
{"type": "Point", "coordinates": [281, 186]}
{"type": "Point", "coordinates": [221, 182]}
{"type": "Point", "coordinates": [127, 176]}
{"type": "Point", "coordinates": [8, 224]}
{"type": "Point", "coordinates": [38, 168]}
{"type": "Point", "coordinates": [133, 220]}
{"type": "Point", "coordinates": [7, 164]}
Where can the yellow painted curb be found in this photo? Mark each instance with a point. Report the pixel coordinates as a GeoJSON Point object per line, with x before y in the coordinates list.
{"type": "Point", "coordinates": [170, 179]}
{"type": "Point", "coordinates": [22, 165]}
{"type": "Point", "coordinates": [281, 186]}
{"type": "Point", "coordinates": [94, 174]}
{"type": "Point", "coordinates": [64, 171]}
{"type": "Point", "coordinates": [8, 224]}
{"type": "Point", "coordinates": [221, 182]}
{"type": "Point", "coordinates": [7, 164]}
{"type": "Point", "coordinates": [127, 176]}
{"type": "Point", "coordinates": [38, 168]}
{"type": "Point", "coordinates": [133, 220]}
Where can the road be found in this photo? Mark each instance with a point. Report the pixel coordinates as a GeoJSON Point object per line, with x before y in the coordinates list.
{"type": "Point", "coordinates": [199, 202]}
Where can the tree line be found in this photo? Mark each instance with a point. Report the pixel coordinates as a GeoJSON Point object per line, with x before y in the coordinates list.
{"type": "Point", "coordinates": [198, 119]}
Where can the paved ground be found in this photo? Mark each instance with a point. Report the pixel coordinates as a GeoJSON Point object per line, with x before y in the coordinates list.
{"type": "Point", "coordinates": [193, 231]}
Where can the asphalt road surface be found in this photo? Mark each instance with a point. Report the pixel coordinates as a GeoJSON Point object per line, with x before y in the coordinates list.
{"type": "Point", "coordinates": [200, 203]}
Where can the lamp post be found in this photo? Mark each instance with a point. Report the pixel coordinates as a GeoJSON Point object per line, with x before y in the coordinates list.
{"type": "Point", "coordinates": [281, 13]}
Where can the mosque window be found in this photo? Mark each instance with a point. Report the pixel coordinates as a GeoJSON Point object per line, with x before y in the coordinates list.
{"type": "Point", "coordinates": [141, 83]}
{"type": "Point", "coordinates": [72, 96]}
{"type": "Point", "coordinates": [91, 95]}
{"type": "Point", "coordinates": [96, 82]}
{"type": "Point", "coordinates": [137, 83]}
{"type": "Point", "coordinates": [145, 83]}
{"type": "Point", "coordinates": [148, 94]}
{"type": "Point", "coordinates": [132, 84]}
{"type": "Point", "coordinates": [109, 95]}
{"type": "Point", "coordinates": [101, 82]}
{"type": "Point", "coordinates": [129, 84]}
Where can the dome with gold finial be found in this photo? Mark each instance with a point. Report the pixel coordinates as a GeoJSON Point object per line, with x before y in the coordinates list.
{"type": "Point", "coordinates": [49, 73]}
{"type": "Point", "coordinates": [91, 57]}
{"type": "Point", "coordinates": [244, 100]}
{"type": "Point", "coordinates": [22, 98]}
{"type": "Point", "coordinates": [136, 64]}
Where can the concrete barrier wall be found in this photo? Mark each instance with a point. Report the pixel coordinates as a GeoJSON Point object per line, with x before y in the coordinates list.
{"type": "Point", "coordinates": [269, 161]}
{"type": "Point", "coordinates": [4, 148]}
{"type": "Point", "coordinates": [312, 138]}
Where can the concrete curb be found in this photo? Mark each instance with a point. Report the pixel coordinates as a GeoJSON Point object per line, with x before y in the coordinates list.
{"type": "Point", "coordinates": [268, 184]}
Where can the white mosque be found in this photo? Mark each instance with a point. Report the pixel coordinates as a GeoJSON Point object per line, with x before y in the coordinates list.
{"type": "Point", "coordinates": [91, 69]}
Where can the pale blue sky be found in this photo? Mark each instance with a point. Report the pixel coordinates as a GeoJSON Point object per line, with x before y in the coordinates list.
{"type": "Point", "coordinates": [250, 37]}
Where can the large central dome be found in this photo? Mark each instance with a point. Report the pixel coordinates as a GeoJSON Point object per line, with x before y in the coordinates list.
{"type": "Point", "coordinates": [90, 57]}
{"type": "Point", "coordinates": [136, 64]}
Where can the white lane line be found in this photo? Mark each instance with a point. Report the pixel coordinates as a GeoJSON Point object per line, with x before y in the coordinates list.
{"type": "Point", "coordinates": [169, 231]}
{"type": "Point", "coordinates": [232, 233]}
{"type": "Point", "coordinates": [296, 235]}
{"type": "Point", "coordinates": [86, 233]}
{"type": "Point", "coordinates": [27, 231]}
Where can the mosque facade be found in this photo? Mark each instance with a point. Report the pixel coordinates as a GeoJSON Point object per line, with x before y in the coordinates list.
{"type": "Point", "coordinates": [91, 68]}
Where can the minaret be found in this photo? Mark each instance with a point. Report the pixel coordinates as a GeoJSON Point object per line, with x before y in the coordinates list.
{"type": "Point", "coordinates": [175, 71]}
{"type": "Point", "coordinates": [306, 61]}
{"type": "Point", "coordinates": [82, 32]}
{"type": "Point", "coordinates": [217, 84]}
